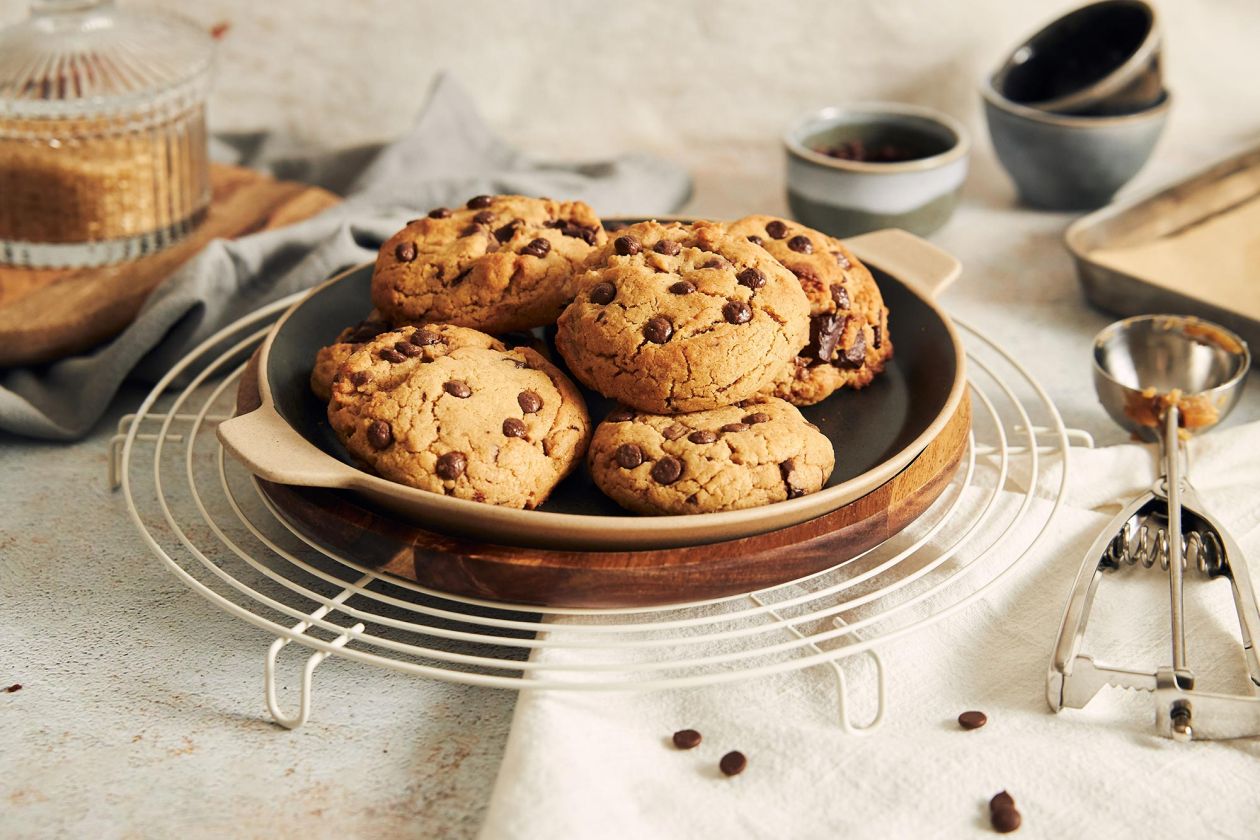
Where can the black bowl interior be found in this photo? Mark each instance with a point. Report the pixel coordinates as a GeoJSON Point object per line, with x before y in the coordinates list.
{"type": "Point", "coordinates": [912, 137]}
{"type": "Point", "coordinates": [1075, 51]}
{"type": "Point", "coordinates": [866, 427]}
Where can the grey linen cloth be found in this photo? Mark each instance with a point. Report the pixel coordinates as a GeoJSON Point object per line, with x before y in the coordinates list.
{"type": "Point", "coordinates": [448, 156]}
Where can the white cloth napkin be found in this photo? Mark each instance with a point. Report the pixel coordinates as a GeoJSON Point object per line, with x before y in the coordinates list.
{"type": "Point", "coordinates": [602, 765]}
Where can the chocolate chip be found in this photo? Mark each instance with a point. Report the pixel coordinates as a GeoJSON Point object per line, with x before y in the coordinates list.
{"type": "Point", "coordinates": [667, 470]}
{"type": "Point", "coordinates": [602, 293]}
{"type": "Point", "coordinates": [674, 431]}
{"type": "Point", "coordinates": [667, 247]}
{"type": "Point", "coordinates": [702, 436]}
{"type": "Point", "coordinates": [1001, 800]}
{"type": "Point", "coordinates": [752, 278]}
{"type": "Point", "coordinates": [756, 240]}
{"type": "Point", "coordinates": [406, 348]}
{"type": "Point", "coordinates": [854, 356]}
{"type": "Point", "coordinates": [693, 499]}
{"type": "Point", "coordinates": [841, 296]}
{"type": "Point", "coordinates": [513, 428]}
{"type": "Point", "coordinates": [506, 232]}
{"type": "Point", "coordinates": [451, 465]}
{"type": "Point", "coordinates": [459, 278]}
{"type": "Point", "coordinates": [627, 246]}
{"type": "Point", "coordinates": [682, 287]}
{"type": "Point", "coordinates": [405, 251]}
{"type": "Point", "coordinates": [470, 230]}
{"type": "Point", "coordinates": [628, 456]}
{"type": "Point", "coordinates": [686, 739]}
{"type": "Point", "coordinates": [529, 402]}
{"type": "Point", "coordinates": [824, 333]}
{"type": "Point", "coordinates": [737, 312]}
{"type": "Point", "coordinates": [791, 479]}
{"type": "Point", "coordinates": [619, 415]}
{"type": "Point", "coordinates": [716, 262]}
{"type": "Point", "coordinates": [734, 427]}
{"type": "Point", "coordinates": [972, 720]}
{"type": "Point", "coordinates": [1005, 820]}
{"type": "Point", "coordinates": [537, 248]}
{"type": "Point", "coordinates": [841, 260]}
{"type": "Point", "coordinates": [425, 338]}
{"type": "Point", "coordinates": [877, 336]}
{"type": "Point", "coordinates": [658, 329]}
{"type": "Point", "coordinates": [733, 763]}
{"type": "Point", "coordinates": [360, 378]}
{"type": "Point", "coordinates": [479, 202]}
{"type": "Point", "coordinates": [389, 354]}
{"type": "Point", "coordinates": [801, 245]}
{"type": "Point", "coordinates": [379, 434]}
{"type": "Point", "coordinates": [759, 417]}
{"type": "Point", "coordinates": [485, 217]}
{"type": "Point", "coordinates": [776, 229]}
{"type": "Point", "coordinates": [439, 213]}
{"type": "Point", "coordinates": [458, 388]}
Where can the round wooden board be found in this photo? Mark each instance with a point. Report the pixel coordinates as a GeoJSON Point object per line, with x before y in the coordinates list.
{"type": "Point", "coordinates": [340, 521]}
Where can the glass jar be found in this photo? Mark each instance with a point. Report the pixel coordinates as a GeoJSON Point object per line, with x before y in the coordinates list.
{"type": "Point", "coordinates": [103, 153]}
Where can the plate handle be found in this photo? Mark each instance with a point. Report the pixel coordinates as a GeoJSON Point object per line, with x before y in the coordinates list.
{"type": "Point", "coordinates": [271, 449]}
{"type": "Point", "coordinates": [908, 258]}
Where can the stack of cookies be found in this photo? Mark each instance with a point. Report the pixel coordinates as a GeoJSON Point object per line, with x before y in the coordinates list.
{"type": "Point", "coordinates": [708, 336]}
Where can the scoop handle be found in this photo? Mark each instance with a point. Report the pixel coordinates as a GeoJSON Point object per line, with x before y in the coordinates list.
{"type": "Point", "coordinates": [908, 258]}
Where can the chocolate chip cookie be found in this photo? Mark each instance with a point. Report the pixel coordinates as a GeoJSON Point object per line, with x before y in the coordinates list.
{"type": "Point", "coordinates": [738, 456]}
{"type": "Point", "coordinates": [329, 358]}
{"type": "Point", "coordinates": [848, 333]}
{"type": "Point", "coordinates": [499, 264]}
{"type": "Point", "coordinates": [675, 318]}
{"type": "Point", "coordinates": [453, 411]}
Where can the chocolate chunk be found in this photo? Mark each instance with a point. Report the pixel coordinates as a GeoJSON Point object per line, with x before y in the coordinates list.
{"type": "Point", "coordinates": [506, 232]}
{"type": "Point", "coordinates": [801, 245]}
{"type": "Point", "coordinates": [451, 465]}
{"type": "Point", "coordinates": [841, 260]}
{"type": "Point", "coordinates": [513, 428]}
{"type": "Point", "coordinates": [459, 278]}
{"type": "Point", "coordinates": [682, 287]}
{"type": "Point", "coordinates": [734, 427]}
{"type": "Point", "coordinates": [485, 217]}
{"type": "Point", "coordinates": [537, 248]}
{"type": "Point", "coordinates": [360, 378]}
{"type": "Point", "coordinates": [479, 202]}
{"type": "Point", "coordinates": [627, 246]}
{"type": "Point", "coordinates": [756, 240]}
{"type": "Point", "coordinates": [458, 388]}
{"type": "Point", "coordinates": [658, 329]}
{"type": "Point", "coordinates": [529, 402]}
{"type": "Point", "coordinates": [737, 312]}
{"type": "Point", "coordinates": [389, 354]}
{"type": "Point", "coordinates": [379, 434]}
{"type": "Point", "coordinates": [674, 431]}
{"type": "Point", "coordinates": [425, 338]}
{"type": "Point", "coordinates": [693, 499]}
{"type": "Point", "coordinates": [628, 456]}
{"type": "Point", "coordinates": [619, 415]}
{"type": "Point", "coordinates": [840, 295]}
{"type": "Point", "coordinates": [1001, 800]}
{"type": "Point", "coordinates": [406, 348]}
{"type": "Point", "coordinates": [405, 251]}
{"type": "Point", "coordinates": [470, 230]}
{"type": "Point", "coordinates": [752, 278]}
{"type": "Point", "coordinates": [759, 417]}
{"type": "Point", "coordinates": [733, 763]}
{"type": "Point", "coordinates": [667, 247]}
{"type": "Point", "coordinates": [716, 262]}
{"type": "Point", "coordinates": [824, 333]}
{"type": "Point", "coordinates": [1005, 820]}
{"type": "Point", "coordinates": [792, 481]}
{"type": "Point", "coordinates": [686, 739]}
{"type": "Point", "coordinates": [603, 293]}
{"type": "Point", "coordinates": [667, 470]}
{"type": "Point", "coordinates": [439, 213]}
{"type": "Point", "coordinates": [776, 229]}
{"type": "Point", "coordinates": [972, 720]}
{"type": "Point", "coordinates": [877, 336]}
{"type": "Point", "coordinates": [702, 436]}
{"type": "Point", "coordinates": [854, 356]}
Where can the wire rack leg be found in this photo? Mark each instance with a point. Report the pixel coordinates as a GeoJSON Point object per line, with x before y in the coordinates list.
{"type": "Point", "coordinates": [120, 437]}
{"type": "Point", "coordinates": [842, 690]}
{"type": "Point", "coordinates": [312, 662]}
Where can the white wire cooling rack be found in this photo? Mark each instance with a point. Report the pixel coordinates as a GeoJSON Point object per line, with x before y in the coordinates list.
{"type": "Point", "coordinates": [203, 516]}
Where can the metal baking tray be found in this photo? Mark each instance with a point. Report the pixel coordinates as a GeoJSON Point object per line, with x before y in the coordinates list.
{"type": "Point", "coordinates": [1167, 215]}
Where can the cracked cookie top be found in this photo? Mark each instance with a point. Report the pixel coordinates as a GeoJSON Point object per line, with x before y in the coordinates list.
{"type": "Point", "coordinates": [676, 318]}
{"type": "Point", "coordinates": [848, 334]}
{"type": "Point", "coordinates": [498, 264]}
{"type": "Point", "coordinates": [453, 411]}
{"type": "Point", "coordinates": [738, 456]}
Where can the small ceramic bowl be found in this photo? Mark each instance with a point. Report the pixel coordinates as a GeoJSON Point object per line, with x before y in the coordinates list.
{"type": "Point", "coordinates": [1101, 59]}
{"type": "Point", "coordinates": [847, 197]}
{"type": "Point", "coordinates": [1063, 162]}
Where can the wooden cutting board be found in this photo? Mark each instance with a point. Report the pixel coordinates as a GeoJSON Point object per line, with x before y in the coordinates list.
{"type": "Point", "coordinates": [47, 314]}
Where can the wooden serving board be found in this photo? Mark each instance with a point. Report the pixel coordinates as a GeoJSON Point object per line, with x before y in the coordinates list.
{"type": "Point", "coordinates": [343, 522]}
{"type": "Point", "coordinates": [47, 314]}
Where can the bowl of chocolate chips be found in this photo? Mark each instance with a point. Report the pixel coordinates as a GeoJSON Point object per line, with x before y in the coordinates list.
{"type": "Point", "coordinates": [858, 168]}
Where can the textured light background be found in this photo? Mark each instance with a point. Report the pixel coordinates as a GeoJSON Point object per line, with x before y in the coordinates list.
{"type": "Point", "coordinates": [142, 714]}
